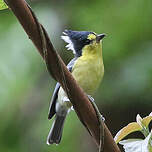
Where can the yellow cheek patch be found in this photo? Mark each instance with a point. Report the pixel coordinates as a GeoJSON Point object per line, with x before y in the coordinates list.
{"type": "Point", "coordinates": [91, 37]}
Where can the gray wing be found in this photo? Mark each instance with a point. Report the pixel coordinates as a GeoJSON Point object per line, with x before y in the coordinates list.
{"type": "Point", "coordinates": [55, 93]}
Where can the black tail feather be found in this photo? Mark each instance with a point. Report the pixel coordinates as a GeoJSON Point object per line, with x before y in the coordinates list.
{"type": "Point", "coordinates": [55, 133]}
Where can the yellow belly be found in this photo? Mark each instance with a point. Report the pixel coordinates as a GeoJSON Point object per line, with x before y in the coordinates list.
{"type": "Point", "coordinates": [88, 73]}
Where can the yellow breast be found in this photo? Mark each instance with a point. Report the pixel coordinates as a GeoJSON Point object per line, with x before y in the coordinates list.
{"type": "Point", "coordinates": [89, 70]}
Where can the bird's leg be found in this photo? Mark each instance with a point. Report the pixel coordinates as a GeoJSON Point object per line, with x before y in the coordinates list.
{"type": "Point", "coordinates": [101, 122]}
{"type": "Point", "coordinates": [68, 103]}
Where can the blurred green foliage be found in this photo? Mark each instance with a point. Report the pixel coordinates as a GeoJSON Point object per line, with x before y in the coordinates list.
{"type": "Point", "coordinates": [26, 87]}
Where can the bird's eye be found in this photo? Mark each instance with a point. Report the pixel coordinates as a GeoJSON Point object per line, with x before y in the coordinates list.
{"type": "Point", "coordinates": [87, 41]}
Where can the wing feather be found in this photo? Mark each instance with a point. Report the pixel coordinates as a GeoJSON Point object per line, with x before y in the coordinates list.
{"type": "Point", "coordinates": [55, 93]}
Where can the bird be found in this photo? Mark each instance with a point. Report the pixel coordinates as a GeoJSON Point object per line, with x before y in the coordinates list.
{"type": "Point", "coordinates": [87, 69]}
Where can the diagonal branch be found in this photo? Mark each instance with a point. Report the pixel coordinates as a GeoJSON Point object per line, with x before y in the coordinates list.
{"type": "Point", "coordinates": [58, 70]}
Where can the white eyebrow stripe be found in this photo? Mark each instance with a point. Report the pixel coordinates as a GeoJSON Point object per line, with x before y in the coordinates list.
{"type": "Point", "coordinates": [69, 46]}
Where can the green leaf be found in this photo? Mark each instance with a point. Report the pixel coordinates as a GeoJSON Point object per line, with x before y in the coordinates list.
{"type": "Point", "coordinates": [147, 120]}
{"type": "Point", "coordinates": [3, 5]}
{"type": "Point", "coordinates": [132, 127]}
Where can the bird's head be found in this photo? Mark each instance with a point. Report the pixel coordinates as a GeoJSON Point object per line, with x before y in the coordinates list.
{"type": "Point", "coordinates": [77, 40]}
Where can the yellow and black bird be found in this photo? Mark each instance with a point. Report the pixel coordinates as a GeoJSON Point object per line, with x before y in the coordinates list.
{"type": "Point", "coordinates": [86, 67]}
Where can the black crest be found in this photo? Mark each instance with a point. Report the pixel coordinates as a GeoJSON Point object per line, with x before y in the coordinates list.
{"type": "Point", "coordinates": [78, 40]}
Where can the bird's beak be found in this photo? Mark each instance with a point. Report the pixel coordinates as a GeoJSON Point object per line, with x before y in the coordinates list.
{"type": "Point", "coordinates": [100, 37]}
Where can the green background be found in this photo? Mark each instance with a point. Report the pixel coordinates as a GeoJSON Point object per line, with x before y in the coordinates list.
{"type": "Point", "coordinates": [26, 87]}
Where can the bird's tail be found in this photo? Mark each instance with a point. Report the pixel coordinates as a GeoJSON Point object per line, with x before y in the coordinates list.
{"type": "Point", "coordinates": [55, 133]}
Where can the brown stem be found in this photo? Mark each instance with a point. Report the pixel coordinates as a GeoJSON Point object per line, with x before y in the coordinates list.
{"type": "Point", "coordinates": [58, 70]}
